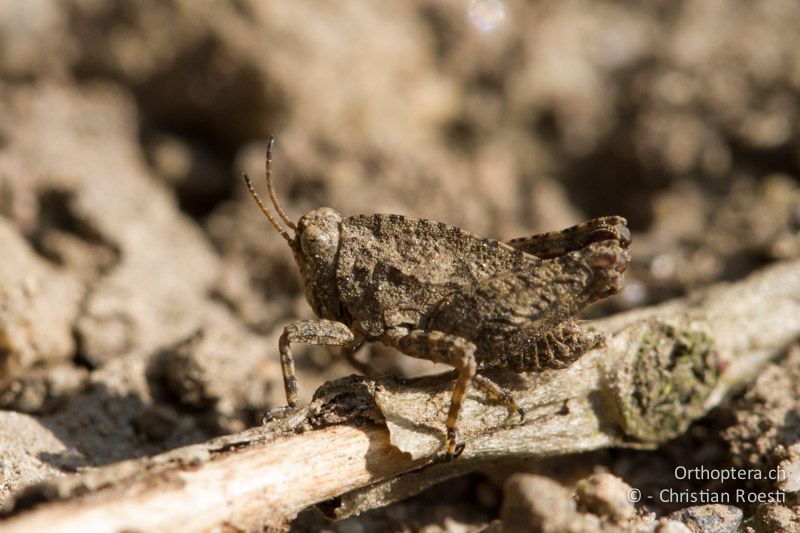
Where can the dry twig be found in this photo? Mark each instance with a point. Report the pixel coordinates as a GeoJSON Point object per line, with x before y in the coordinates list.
{"type": "Point", "coordinates": [368, 442]}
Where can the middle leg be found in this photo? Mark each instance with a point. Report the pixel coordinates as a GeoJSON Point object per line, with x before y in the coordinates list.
{"type": "Point", "coordinates": [452, 350]}
{"type": "Point", "coordinates": [498, 393]}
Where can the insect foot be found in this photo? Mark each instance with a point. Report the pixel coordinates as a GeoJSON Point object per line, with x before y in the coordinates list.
{"type": "Point", "coordinates": [276, 413]}
{"type": "Point", "coordinates": [437, 292]}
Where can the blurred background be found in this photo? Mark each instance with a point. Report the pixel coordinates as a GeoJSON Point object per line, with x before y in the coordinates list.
{"type": "Point", "coordinates": [141, 290]}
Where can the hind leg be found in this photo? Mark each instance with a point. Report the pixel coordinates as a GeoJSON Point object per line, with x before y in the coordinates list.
{"type": "Point", "coordinates": [499, 394]}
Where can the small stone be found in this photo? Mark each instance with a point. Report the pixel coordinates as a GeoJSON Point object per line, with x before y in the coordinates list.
{"type": "Point", "coordinates": [790, 467]}
{"type": "Point", "coordinates": [713, 518]}
{"type": "Point", "coordinates": [606, 495]}
{"type": "Point", "coordinates": [772, 517]}
{"type": "Point", "coordinates": [672, 526]}
{"type": "Point", "coordinates": [536, 503]}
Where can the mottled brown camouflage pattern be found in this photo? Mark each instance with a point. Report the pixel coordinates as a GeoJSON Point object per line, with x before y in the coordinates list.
{"type": "Point", "coordinates": [437, 292]}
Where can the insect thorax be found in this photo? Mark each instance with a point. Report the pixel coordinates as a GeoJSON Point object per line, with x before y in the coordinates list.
{"type": "Point", "coordinates": [394, 271]}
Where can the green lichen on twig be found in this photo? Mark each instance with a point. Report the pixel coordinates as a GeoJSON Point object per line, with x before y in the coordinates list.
{"type": "Point", "coordinates": [664, 387]}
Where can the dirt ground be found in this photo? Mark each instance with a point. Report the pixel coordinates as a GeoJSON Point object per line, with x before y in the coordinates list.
{"type": "Point", "coordinates": [142, 293]}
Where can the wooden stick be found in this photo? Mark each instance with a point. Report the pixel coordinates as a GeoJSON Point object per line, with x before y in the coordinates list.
{"type": "Point", "coordinates": [248, 483]}
{"type": "Point", "coordinates": [660, 369]}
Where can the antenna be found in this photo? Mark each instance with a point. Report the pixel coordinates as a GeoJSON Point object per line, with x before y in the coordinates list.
{"type": "Point", "coordinates": [271, 188]}
{"type": "Point", "coordinates": [283, 233]}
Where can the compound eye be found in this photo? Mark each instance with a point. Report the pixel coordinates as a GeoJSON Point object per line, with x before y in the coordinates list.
{"type": "Point", "coordinates": [314, 241]}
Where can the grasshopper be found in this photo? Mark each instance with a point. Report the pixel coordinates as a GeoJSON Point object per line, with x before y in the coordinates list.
{"type": "Point", "coordinates": [437, 292]}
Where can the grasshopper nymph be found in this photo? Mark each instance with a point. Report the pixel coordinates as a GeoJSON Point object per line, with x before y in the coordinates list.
{"type": "Point", "coordinates": [437, 292]}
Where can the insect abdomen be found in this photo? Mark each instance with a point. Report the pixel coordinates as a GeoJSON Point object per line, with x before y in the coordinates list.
{"type": "Point", "coordinates": [527, 352]}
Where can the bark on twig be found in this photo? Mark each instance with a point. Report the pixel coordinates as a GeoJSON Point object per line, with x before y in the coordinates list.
{"type": "Point", "coordinates": [368, 442]}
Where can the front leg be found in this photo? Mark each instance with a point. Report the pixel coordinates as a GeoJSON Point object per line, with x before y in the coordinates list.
{"type": "Point", "coordinates": [452, 350]}
{"type": "Point", "coordinates": [318, 331]}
